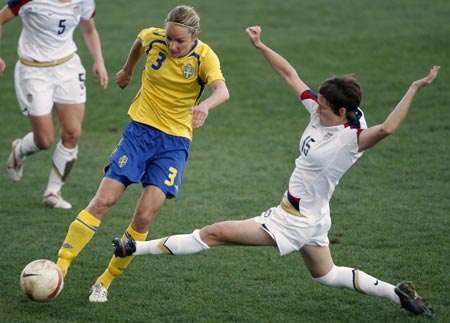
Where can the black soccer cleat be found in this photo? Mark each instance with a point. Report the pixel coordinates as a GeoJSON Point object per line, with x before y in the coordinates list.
{"type": "Point", "coordinates": [411, 301]}
{"type": "Point", "coordinates": [124, 248]}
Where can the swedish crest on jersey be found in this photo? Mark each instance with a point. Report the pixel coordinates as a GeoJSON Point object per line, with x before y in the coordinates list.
{"type": "Point", "coordinates": [188, 71]}
{"type": "Point", "coordinates": [123, 161]}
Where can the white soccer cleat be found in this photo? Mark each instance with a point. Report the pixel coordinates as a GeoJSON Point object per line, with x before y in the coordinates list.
{"type": "Point", "coordinates": [14, 166]}
{"type": "Point", "coordinates": [99, 294]}
{"type": "Point", "coordinates": [56, 201]}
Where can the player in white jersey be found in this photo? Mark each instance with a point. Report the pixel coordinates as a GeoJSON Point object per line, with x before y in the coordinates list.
{"type": "Point", "coordinates": [49, 74]}
{"type": "Point", "coordinates": [332, 142]}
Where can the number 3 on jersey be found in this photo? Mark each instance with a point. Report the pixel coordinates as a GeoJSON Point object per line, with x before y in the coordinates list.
{"type": "Point", "coordinates": [173, 173]}
{"type": "Point", "coordinates": [159, 61]}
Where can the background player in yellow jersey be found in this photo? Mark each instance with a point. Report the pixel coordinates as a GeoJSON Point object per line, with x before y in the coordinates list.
{"type": "Point", "coordinates": [155, 144]}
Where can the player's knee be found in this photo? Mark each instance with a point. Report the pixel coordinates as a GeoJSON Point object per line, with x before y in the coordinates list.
{"type": "Point", "coordinates": [43, 142]}
{"type": "Point", "coordinates": [212, 235]}
{"type": "Point", "coordinates": [103, 201]}
{"type": "Point", "coordinates": [141, 221]}
{"type": "Point", "coordinates": [100, 205]}
{"type": "Point", "coordinates": [70, 138]}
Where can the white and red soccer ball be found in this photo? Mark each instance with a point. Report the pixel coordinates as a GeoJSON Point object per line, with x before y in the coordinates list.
{"type": "Point", "coordinates": [41, 280]}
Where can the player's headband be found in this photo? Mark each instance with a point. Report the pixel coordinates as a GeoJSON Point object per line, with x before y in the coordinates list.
{"type": "Point", "coordinates": [182, 25]}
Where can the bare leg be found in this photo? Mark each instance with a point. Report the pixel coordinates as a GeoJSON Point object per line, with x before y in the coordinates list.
{"type": "Point", "coordinates": [43, 130]}
{"type": "Point", "coordinates": [107, 195]}
{"type": "Point", "coordinates": [246, 232]}
{"type": "Point", "coordinates": [317, 259]}
{"type": "Point", "coordinates": [152, 199]}
{"type": "Point", "coordinates": [70, 117]}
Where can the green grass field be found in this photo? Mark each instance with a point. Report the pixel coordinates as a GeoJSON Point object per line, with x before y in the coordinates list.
{"type": "Point", "coordinates": [390, 212]}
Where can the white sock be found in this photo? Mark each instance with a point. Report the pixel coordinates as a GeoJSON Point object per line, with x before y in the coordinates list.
{"type": "Point", "coordinates": [345, 277]}
{"type": "Point", "coordinates": [26, 147]}
{"type": "Point", "coordinates": [178, 245]}
{"type": "Point", "coordinates": [62, 162]}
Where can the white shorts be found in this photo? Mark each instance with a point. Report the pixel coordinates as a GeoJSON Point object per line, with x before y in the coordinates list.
{"type": "Point", "coordinates": [37, 88]}
{"type": "Point", "coordinates": [291, 232]}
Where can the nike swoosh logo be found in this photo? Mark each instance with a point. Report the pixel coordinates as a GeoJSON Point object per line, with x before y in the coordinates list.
{"type": "Point", "coordinates": [376, 283]}
{"type": "Point", "coordinates": [29, 275]}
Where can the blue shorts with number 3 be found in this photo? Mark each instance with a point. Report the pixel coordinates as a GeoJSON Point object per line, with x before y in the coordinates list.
{"type": "Point", "coordinates": [148, 155]}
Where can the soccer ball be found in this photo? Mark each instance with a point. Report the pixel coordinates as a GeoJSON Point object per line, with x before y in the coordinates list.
{"type": "Point", "coordinates": [41, 280]}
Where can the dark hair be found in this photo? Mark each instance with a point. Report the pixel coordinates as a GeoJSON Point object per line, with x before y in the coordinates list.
{"type": "Point", "coordinates": [342, 92]}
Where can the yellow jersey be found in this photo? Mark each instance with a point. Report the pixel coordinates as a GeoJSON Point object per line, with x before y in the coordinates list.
{"type": "Point", "coordinates": [171, 86]}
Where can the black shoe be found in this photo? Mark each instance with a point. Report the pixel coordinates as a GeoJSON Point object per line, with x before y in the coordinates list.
{"type": "Point", "coordinates": [411, 301]}
{"type": "Point", "coordinates": [124, 248]}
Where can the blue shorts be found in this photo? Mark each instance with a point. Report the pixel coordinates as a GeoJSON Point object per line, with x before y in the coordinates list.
{"type": "Point", "coordinates": [148, 155]}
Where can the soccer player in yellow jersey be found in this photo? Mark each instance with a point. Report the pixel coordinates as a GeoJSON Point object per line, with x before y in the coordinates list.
{"type": "Point", "coordinates": [155, 144]}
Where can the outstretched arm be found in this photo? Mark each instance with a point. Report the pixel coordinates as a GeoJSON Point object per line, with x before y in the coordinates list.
{"type": "Point", "coordinates": [373, 135]}
{"type": "Point", "coordinates": [280, 64]}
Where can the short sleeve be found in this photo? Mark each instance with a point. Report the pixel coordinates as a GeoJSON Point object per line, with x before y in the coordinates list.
{"type": "Point", "coordinates": [309, 100]}
{"type": "Point", "coordinates": [210, 71]}
{"type": "Point", "coordinates": [88, 9]}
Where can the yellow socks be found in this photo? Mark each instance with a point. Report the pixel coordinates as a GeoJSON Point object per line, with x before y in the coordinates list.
{"type": "Point", "coordinates": [118, 265]}
{"type": "Point", "coordinates": [80, 232]}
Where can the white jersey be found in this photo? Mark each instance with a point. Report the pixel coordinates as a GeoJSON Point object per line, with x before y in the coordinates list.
{"type": "Point", "coordinates": [326, 153]}
{"type": "Point", "coordinates": [48, 26]}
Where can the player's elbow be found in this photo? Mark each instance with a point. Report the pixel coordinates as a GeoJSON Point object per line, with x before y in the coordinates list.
{"type": "Point", "coordinates": [220, 92]}
{"type": "Point", "coordinates": [386, 130]}
{"type": "Point", "coordinates": [226, 95]}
